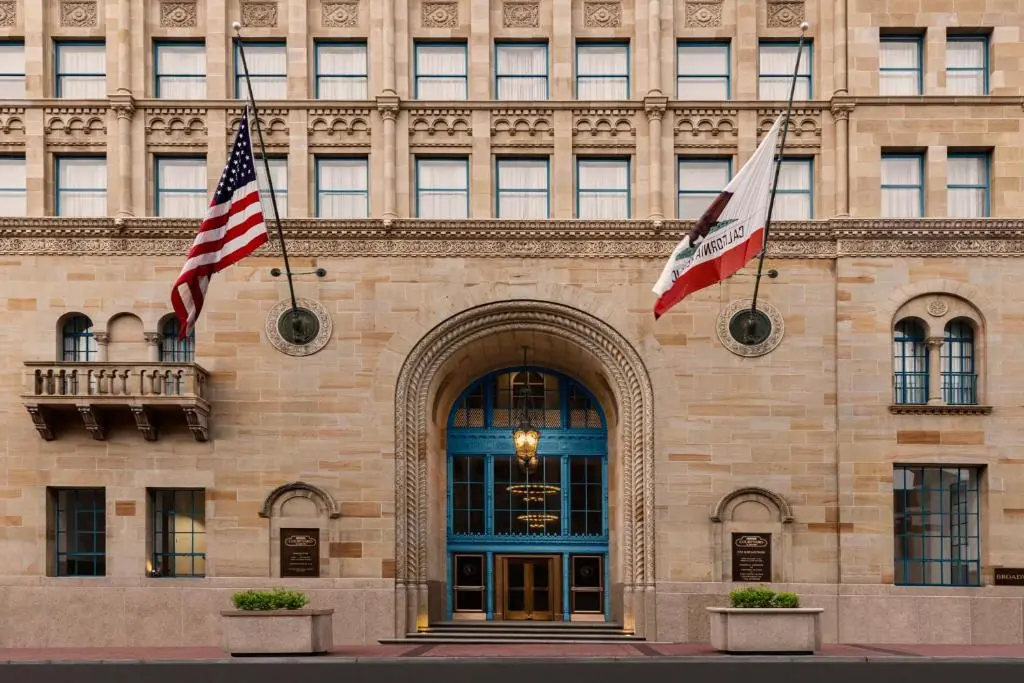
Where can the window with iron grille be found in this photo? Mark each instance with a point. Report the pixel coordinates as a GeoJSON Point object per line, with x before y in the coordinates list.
{"type": "Point", "coordinates": [178, 532]}
{"type": "Point", "coordinates": [78, 532]}
{"type": "Point", "coordinates": [959, 376]}
{"type": "Point", "coordinates": [78, 341]}
{"type": "Point", "coordinates": [910, 362]}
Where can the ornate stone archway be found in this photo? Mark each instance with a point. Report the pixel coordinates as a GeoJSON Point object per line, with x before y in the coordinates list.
{"type": "Point", "coordinates": [631, 386]}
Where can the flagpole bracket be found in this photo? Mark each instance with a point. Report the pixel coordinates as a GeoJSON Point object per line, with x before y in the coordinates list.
{"type": "Point", "coordinates": [319, 272]}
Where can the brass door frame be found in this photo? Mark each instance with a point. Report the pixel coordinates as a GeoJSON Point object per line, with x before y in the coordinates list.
{"type": "Point", "coordinates": [554, 563]}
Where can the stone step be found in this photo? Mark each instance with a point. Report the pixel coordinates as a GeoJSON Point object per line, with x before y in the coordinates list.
{"type": "Point", "coordinates": [438, 639]}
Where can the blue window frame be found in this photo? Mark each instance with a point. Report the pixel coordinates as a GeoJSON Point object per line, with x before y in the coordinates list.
{"type": "Point", "coordinates": [342, 70]}
{"type": "Point", "coordinates": [900, 65]}
{"type": "Point", "coordinates": [776, 62]}
{"type": "Point", "coordinates": [173, 349]}
{"type": "Point", "coordinates": [902, 185]}
{"type": "Point", "coordinates": [342, 187]}
{"type": "Point", "coordinates": [278, 174]}
{"type": "Point", "coordinates": [78, 531]}
{"type": "Point", "coordinates": [78, 343]}
{"type": "Point", "coordinates": [12, 70]}
{"type": "Point", "coordinates": [80, 69]}
{"type": "Point", "coordinates": [268, 70]}
{"type": "Point", "coordinates": [794, 199]}
{"type": "Point", "coordinates": [500, 510]}
{"type": "Point", "coordinates": [703, 71]}
{"type": "Point", "coordinates": [937, 519]}
{"type": "Point", "coordinates": [179, 70]}
{"type": "Point", "coordinates": [13, 186]}
{"type": "Point", "coordinates": [521, 71]}
{"type": "Point", "coordinates": [967, 65]}
{"type": "Point", "coordinates": [178, 524]}
{"type": "Point", "coordinates": [603, 188]}
{"type": "Point", "coordinates": [910, 363]}
{"type": "Point", "coordinates": [959, 375]}
{"type": "Point", "coordinates": [441, 71]}
{"type": "Point", "coordinates": [180, 187]}
{"type": "Point", "coordinates": [442, 187]}
{"type": "Point", "coordinates": [968, 192]}
{"type": "Point", "coordinates": [699, 181]}
{"type": "Point", "coordinates": [523, 188]}
{"type": "Point", "coordinates": [81, 187]}
{"type": "Point", "coordinates": [602, 71]}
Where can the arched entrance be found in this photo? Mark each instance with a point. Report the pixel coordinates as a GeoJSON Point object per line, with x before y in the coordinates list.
{"type": "Point", "coordinates": [527, 541]}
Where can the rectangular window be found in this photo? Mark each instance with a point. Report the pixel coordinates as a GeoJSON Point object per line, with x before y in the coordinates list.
{"type": "Point", "coordinates": [967, 185]}
{"type": "Point", "coordinates": [586, 591]}
{"type": "Point", "coordinates": [81, 70]}
{"type": "Point", "coordinates": [12, 186]}
{"type": "Point", "coordinates": [342, 187]}
{"type": "Point", "coordinates": [776, 64]}
{"type": "Point", "coordinates": [700, 181]}
{"type": "Point", "coordinates": [967, 65]}
{"type": "Point", "coordinates": [602, 189]}
{"type": "Point", "coordinates": [703, 71]}
{"type": "Point", "coordinates": [81, 187]}
{"type": "Point", "coordinates": [181, 187]}
{"type": "Point", "coordinates": [521, 71]}
{"type": "Point", "coordinates": [899, 65]}
{"type": "Point", "coordinates": [442, 188]}
{"type": "Point", "coordinates": [12, 70]}
{"type": "Point", "coordinates": [342, 71]}
{"type": "Point", "coordinates": [523, 188]}
{"type": "Point", "coordinates": [78, 532]}
{"type": "Point", "coordinates": [602, 71]}
{"type": "Point", "coordinates": [181, 71]}
{"type": "Point", "coordinates": [902, 185]}
{"type": "Point", "coordinates": [468, 485]}
{"type": "Point", "coordinates": [586, 477]}
{"type": "Point", "coordinates": [515, 512]}
{"type": "Point", "coordinates": [937, 526]}
{"type": "Point", "coordinates": [441, 71]}
{"type": "Point", "coordinates": [794, 199]}
{"type": "Point", "coordinates": [268, 71]}
{"type": "Point", "coordinates": [178, 526]}
{"type": "Point", "coordinates": [279, 176]}
{"type": "Point", "coordinates": [469, 579]}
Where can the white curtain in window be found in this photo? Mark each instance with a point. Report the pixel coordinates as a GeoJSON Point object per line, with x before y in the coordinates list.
{"type": "Point", "coordinates": [793, 200]}
{"type": "Point", "coordinates": [268, 69]}
{"type": "Point", "coordinates": [776, 68]}
{"type": "Point", "coordinates": [901, 202]}
{"type": "Point", "coordinates": [182, 71]}
{"type": "Point", "coordinates": [700, 181]}
{"type": "Point", "coordinates": [965, 54]}
{"type": "Point", "coordinates": [343, 188]}
{"type": "Point", "coordinates": [182, 187]}
{"type": "Point", "coordinates": [902, 55]}
{"type": "Point", "coordinates": [443, 188]}
{"type": "Point", "coordinates": [82, 187]}
{"type": "Point", "coordinates": [703, 72]}
{"type": "Point", "coordinates": [966, 202]}
{"type": "Point", "coordinates": [603, 189]}
{"type": "Point", "coordinates": [12, 186]}
{"type": "Point", "coordinates": [441, 72]}
{"type": "Point", "coordinates": [278, 174]}
{"type": "Point", "coordinates": [82, 71]}
{"type": "Point", "coordinates": [601, 72]}
{"type": "Point", "coordinates": [12, 72]}
{"type": "Point", "coordinates": [522, 189]}
{"type": "Point", "coordinates": [342, 71]}
{"type": "Point", "coordinates": [522, 72]}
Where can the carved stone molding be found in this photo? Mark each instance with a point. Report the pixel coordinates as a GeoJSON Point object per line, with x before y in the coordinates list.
{"type": "Point", "coordinates": [785, 13]}
{"type": "Point", "coordinates": [75, 126]}
{"type": "Point", "coordinates": [602, 14]}
{"type": "Point", "coordinates": [722, 512]}
{"type": "Point", "coordinates": [440, 14]}
{"type": "Point", "coordinates": [40, 422]}
{"type": "Point", "coordinates": [8, 13]}
{"type": "Point", "coordinates": [428, 125]}
{"type": "Point", "coordinates": [339, 14]}
{"type": "Point", "coordinates": [703, 13]}
{"type": "Point", "coordinates": [522, 126]}
{"type": "Point", "coordinates": [706, 128]}
{"type": "Point", "coordinates": [144, 422]}
{"type": "Point", "coordinates": [273, 123]}
{"type": "Point", "coordinates": [179, 14]}
{"type": "Point", "coordinates": [300, 489]}
{"type": "Point", "coordinates": [322, 338]}
{"type": "Point", "coordinates": [604, 125]}
{"type": "Point", "coordinates": [804, 130]}
{"type": "Point", "coordinates": [331, 126]}
{"type": "Point", "coordinates": [259, 14]}
{"type": "Point", "coordinates": [152, 338]}
{"type": "Point", "coordinates": [198, 420]}
{"type": "Point", "coordinates": [93, 422]}
{"type": "Point", "coordinates": [176, 126]}
{"type": "Point", "coordinates": [920, 409]}
{"type": "Point", "coordinates": [12, 125]}
{"type": "Point", "coordinates": [841, 110]}
{"type": "Point", "coordinates": [753, 350]}
{"type": "Point", "coordinates": [78, 14]}
{"type": "Point", "coordinates": [520, 14]}
{"type": "Point", "coordinates": [937, 308]}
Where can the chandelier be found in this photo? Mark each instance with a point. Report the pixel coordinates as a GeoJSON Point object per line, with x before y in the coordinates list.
{"type": "Point", "coordinates": [537, 520]}
{"type": "Point", "coordinates": [526, 436]}
{"type": "Point", "coordinates": [533, 493]}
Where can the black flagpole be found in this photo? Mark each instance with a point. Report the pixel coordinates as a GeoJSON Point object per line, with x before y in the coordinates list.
{"type": "Point", "coordinates": [778, 168]}
{"type": "Point", "coordinates": [237, 40]}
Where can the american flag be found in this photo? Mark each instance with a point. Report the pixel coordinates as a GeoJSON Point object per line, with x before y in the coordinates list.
{"type": "Point", "coordinates": [233, 229]}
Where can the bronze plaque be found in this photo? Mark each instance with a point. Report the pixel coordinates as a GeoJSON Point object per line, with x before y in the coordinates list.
{"type": "Point", "coordinates": [752, 557]}
{"type": "Point", "coordinates": [300, 553]}
{"type": "Point", "coordinates": [1009, 576]}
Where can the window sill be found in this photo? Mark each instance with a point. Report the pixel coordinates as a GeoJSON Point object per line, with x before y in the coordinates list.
{"type": "Point", "coordinates": [923, 409]}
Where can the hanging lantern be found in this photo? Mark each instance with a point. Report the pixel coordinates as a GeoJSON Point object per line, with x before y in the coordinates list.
{"type": "Point", "coordinates": [526, 436]}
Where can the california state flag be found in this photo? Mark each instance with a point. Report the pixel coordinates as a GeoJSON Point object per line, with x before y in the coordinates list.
{"type": "Point", "coordinates": [727, 236]}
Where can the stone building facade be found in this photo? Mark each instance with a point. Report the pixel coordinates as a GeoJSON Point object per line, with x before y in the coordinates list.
{"type": "Point", "coordinates": [873, 435]}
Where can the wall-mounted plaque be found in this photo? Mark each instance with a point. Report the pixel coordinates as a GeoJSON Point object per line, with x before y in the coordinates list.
{"type": "Point", "coordinates": [1009, 576]}
{"type": "Point", "coordinates": [752, 557]}
{"type": "Point", "coordinates": [300, 553]}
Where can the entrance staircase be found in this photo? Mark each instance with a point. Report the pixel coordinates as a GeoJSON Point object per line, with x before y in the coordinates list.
{"type": "Point", "coordinates": [483, 632]}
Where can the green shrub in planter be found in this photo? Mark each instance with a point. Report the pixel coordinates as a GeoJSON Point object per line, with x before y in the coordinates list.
{"type": "Point", "coordinates": [763, 598]}
{"type": "Point", "coordinates": [264, 601]}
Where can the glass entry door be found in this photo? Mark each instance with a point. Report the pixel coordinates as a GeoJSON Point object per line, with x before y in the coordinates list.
{"type": "Point", "coordinates": [529, 587]}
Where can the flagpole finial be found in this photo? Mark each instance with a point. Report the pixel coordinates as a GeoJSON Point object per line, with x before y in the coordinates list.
{"type": "Point", "coordinates": [236, 26]}
{"type": "Point", "coordinates": [804, 27]}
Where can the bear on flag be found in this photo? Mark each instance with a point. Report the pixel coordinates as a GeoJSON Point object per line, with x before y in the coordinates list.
{"type": "Point", "coordinates": [728, 235]}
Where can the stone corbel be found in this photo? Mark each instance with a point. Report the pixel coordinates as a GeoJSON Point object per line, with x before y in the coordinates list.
{"type": "Point", "coordinates": [93, 422]}
{"type": "Point", "coordinates": [144, 421]}
{"type": "Point", "coordinates": [198, 422]}
{"type": "Point", "coordinates": [39, 420]}
{"type": "Point", "coordinates": [123, 105]}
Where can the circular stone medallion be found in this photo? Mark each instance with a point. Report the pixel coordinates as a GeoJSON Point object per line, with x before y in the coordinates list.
{"type": "Point", "coordinates": [299, 332]}
{"type": "Point", "coordinates": [750, 333]}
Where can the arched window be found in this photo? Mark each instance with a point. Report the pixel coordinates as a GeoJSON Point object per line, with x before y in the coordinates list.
{"type": "Point", "coordinates": [959, 378]}
{"type": "Point", "coordinates": [78, 343]}
{"type": "Point", "coordinates": [174, 350]}
{"type": "Point", "coordinates": [910, 362]}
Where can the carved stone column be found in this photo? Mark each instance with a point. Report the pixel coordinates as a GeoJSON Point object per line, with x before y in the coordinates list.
{"type": "Point", "coordinates": [934, 370]}
{"type": "Point", "coordinates": [388, 108]}
{"type": "Point", "coordinates": [841, 117]}
{"type": "Point", "coordinates": [102, 340]}
{"type": "Point", "coordinates": [387, 47]}
{"type": "Point", "coordinates": [124, 107]}
{"type": "Point", "coordinates": [654, 48]}
{"type": "Point", "coordinates": [153, 343]}
{"type": "Point", "coordinates": [655, 106]}
{"type": "Point", "coordinates": [124, 47]}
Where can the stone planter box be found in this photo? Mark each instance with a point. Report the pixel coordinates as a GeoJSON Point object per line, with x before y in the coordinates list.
{"type": "Point", "coordinates": [796, 630]}
{"type": "Point", "coordinates": [278, 632]}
